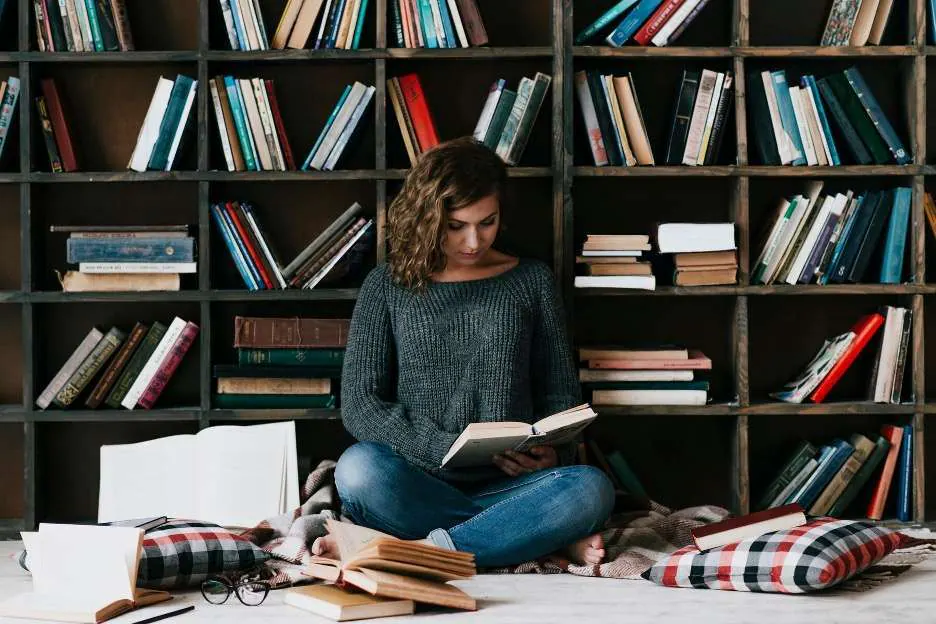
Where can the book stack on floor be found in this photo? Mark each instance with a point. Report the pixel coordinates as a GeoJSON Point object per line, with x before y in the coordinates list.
{"type": "Point", "coordinates": [340, 24]}
{"type": "Point", "coordinates": [856, 22]}
{"type": "Point", "coordinates": [437, 24]}
{"type": "Point", "coordinates": [335, 254]}
{"type": "Point", "coordinates": [827, 480]}
{"type": "Point", "coordinates": [250, 126]}
{"type": "Point", "coordinates": [9, 95]}
{"type": "Point", "coordinates": [82, 26]}
{"type": "Point", "coordinates": [613, 261]}
{"type": "Point", "coordinates": [54, 129]}
{"type": "Point", "coordinates": [700, 117]}
{"type": "Point", "coordinates": [283, 363]}
{"type": "Point", "coordinates": [164, 124]}
{"type": "Point", "coordinates": [703, 254]}
{"type": "Point", "coordinates": [131, 369]}
{"type": "Point", "coordinates": [659, 22]}
{"type": "Point", "coordinates": [834, 238]}
{"type": "Point", "coordinates": [662, 375]}
{"type": "Point", "coordinates": [126, 257]}
{"type": "Point", "coordinates": [340, 127]}
{"type": "Point", "coordinates": [791, 124]}
{"type": "Point", "coordinates": [614, 124]}
{"type": "Point", "coordinates": [838, 353]}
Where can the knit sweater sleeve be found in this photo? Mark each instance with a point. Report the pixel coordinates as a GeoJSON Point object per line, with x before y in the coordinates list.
{"type": "Point", "coordinates": [368, 384]}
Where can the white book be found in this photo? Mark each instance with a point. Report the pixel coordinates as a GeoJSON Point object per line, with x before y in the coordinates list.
{"type": "Point", "coordinates": [74, 360]}
{"type": "Point", "coordinates": [676, 19]}
{"type": "Point", "coordinates": [487, 112]}
{"type": "Point", "coordinates": [617, 120]}
{"type": "Point", "coordinates": [612, 252]}
{"type": "Point", "coordinates": [710, 117]}
{"type": "Point", "coordinates": [590, 117]}
{"type": "Point", "coordinates": [256, 126]}
{"type": "Point", "coordinates": [802, 217]}
{"type": "Point", "coordinates": [785, 238]}
{"type": "Point", "coordinates": [84, 26]}
{"type": "Point", "coordinates": [812, 234]}
{"type": "Point", "coordinates": [887, 360]}
{"type": "Point", "coordinates": [266, 250]}
{"type": "Point", "coordinates": [261, 27]}
{"type": "Point", "coordinates": [222, 129]}
{"type": "Point", "coordinates": [74, 26]}
{"type": "Point", "coordinates": [149, 131]}
{"type": "Point", "coordinates": [250, 26]}
{"type": "Point", "coordinates": [349, 128]}
{"type": "Point", "coordinates": [699, 113]}
{"type": "Point", "coordinates": [809, 96]}
{"type": "Point", "coordinates": [785, 148]}
{"type": "Point", "coordinates": [137, 267]}
{"type": "Point", "coordinates": [269, 128]}
{"type": "Point", "coordinates": [694, 237]}
{"type": "Point", "coordinates": [183, 121]}
{"type": "Point", "coordinates": [649, 397]}
{"type": "Point", "coordinates": [771, 243]}
{"type": "Point", "coordinates": [459, 26]}
{"type": "Point", "coordinates": [341, 119]}
{"type": "Point", "coordinates": [803, 126]}
{"type": "Point", "coordinates": [641, 282]}
{"type": "Point", "coordinates": [153, 363]}
{"type": "Point", "coordinates": [204, 475]}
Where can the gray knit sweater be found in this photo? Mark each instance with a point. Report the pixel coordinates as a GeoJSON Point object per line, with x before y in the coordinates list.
{"type": "Point", "coordinates": [419, 367]}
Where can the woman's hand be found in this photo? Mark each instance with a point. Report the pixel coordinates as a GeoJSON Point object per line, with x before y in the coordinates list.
{"type": "Point", "coordinates": [516, 464]}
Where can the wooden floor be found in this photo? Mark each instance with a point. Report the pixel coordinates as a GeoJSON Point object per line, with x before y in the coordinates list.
{"type": "Point", "coordinates": [572, 600]}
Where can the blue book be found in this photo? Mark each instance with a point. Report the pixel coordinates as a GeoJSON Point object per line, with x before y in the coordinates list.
{"type": "Point", "coordinates": [632, 23]}
{"type": "Point", "coordinates": [242, 247]}
{"type": "Point", "coordinates": [877, 116]}
{"type": "Point", "coordinates": [824, 454]}
{"type": "Point", "coordinates": [840, 243]}
{"type": "Point", "coordinates": [428, 24]}
{"type": "Point", "coordinates": [810, 81]}
{"type": "Point", "coordinates": [787, 116]}
{"type": "Point", "coordinates": [606, 18]}
{"type": "Point", "coordinates": [164, 249]}
{"type": "Point", "coordinates": [359, 27]}
{"type": "Point", "coordinates": [328, 123]}
{"type": "Point", "coordinates": [451, 40]}
{"type": "Point", "coordinates": [932, 21]}
{"type": "Point", "coordinates": [896, 240]}
{"type": "Point", "coordinates": [234, 250]}
{"type": "Point", "coordinates": [240, 123]}
{"type": "Point", "coordinates": [826, 471]}
{"type": "Point", "coordinates": [905, 475]}
{"type": "Point", "coordinates": [335, 25]}
{"type": "Point", "coordinates": [348, 130]}
{"type": "Point", "coordinates": [242, 40]}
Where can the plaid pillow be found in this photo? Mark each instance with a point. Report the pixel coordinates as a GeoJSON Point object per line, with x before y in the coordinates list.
{"type": "Point", "coordinates": [823, 552]}
{"type": "Point", "coordinates": [182, 553]}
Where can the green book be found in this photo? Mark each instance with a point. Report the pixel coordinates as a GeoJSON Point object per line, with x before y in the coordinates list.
{"type": "Point", "coordinates": [840, 506]}
{"type": "Point", "coordinates": [625, 475]}
{"type": "Point", "coordinates": [800, 457]}
{"type": "Point", "coordinates": [136, 364]}
{"type": "Point", "coordinates": [274, 401]}
{"type": "Point", "coordinates": [325, 358]}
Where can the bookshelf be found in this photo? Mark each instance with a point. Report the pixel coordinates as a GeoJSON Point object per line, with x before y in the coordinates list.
{"type": "Point", "coordinates": [757, 336]}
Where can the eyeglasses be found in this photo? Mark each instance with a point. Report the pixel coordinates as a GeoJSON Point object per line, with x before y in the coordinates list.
{"type": "Point", "coordinates": [250, 591]}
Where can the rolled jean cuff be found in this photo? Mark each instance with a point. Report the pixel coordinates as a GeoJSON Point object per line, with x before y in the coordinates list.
{"type": "Point", "coordinates": [442, 539]}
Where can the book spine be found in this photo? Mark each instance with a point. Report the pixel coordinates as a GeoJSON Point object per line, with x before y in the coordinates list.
{"type": "Point", "coordinates": [487, 112]}
{"type": "Point", "coordinates": [272, 385]}
{"type": "Point", "coordinates": [840, 506]}
{"type": "Point", "coordinates": [278, 333]}
{"type": "Point", "coordinates": [459, 26]}
{"type": "Point", "coordinates": [122, 23]}
{"type": "Point", "coordinates": [656, 21]}
{"type": "Point", "coordinates": [228, 16]}
{"type": "Point", "coordinates": [498, 121]}
{"type": "Point", "coordinates": [895, 243]}
{"type": "Point", "coordinates": [179, 130]}
{"type": "Point", "coordinates": [240, 125]}
{"type": "Point", "coordinates": [863, 334]}
{"type": "Point", "coordinates": [901, 358]}
{"type": "Point", "coordinates": [7, 108]}
{"type": "Point", "coordinates": [93, 22]}
{"type": "Point", "coordinates": [326, 127]}
{"type": "Point", "coordinates": [116, 366]}
{"type": "Point", "coordinates": [801, 456]}
{"type": "Point", "coordinates": [222, 130]}
{"type": "Point", "coordinates": [165, 371]}
{"type": "Point", "coordinates": [290, 357]}
{"type": "Point", "coordinates": [267, 252]}
{"type": "Point", "coordinates": [256, 278]}
{"type": "Point", "coordinates": [905, 476]}
{"type": "Point", "coordinates": [266, 121]}
{"type": "Point", "coordinates": [858, 149]}
{"type": "Point", "coordinates": [528, 118]}
{"type": "Point", "coordinates": [590, 119]}
{"type": "Point", "coordinates": [232, 246]}
{"type": "Point", "coordinates": [606, 18]}
{"type": "Point", "coordinates": [863, 447]}
{"type": "Point", "coordinates": [876, 115]}
{"type": "Point", "coordinates": [137, 267]}
{"type": "Point", "coordinates": [59, 126]}
{"type": "Point", "coordinates": [855, 111]}
{"type": "Point", "coordinates": [137, 360]}
{"type": "Point", "coordinates": [71, 364]}
{"type": "Point", "coordinates": [397, 23]}
{"type": "Point", "coordinates": [41, 25]}
{"type": "Point", "coordinates": [828, 139]}
{"type": "Point", "coordinates": [89, 367]}
{"type": "Point", "coordinates": [626, 29]}
{"type": "Point", "coordinates": [603, 113]}
{"type": "Point", "coordinates": [316, 271]}
{"type": "Point", "coordinates": [55, 161]}
{"type": "Point", "coordinates": [108, 28]}
{"type": "Point", "coordinates": [450, 40]}
{"type": "Point", "coordinates": [415, 100]}
{"type": "Point", "coordinates": [824, 474]}
{"type": "Point", "coordinates": [267, 401]}
{"type": "Point", "coordinates": [148, 250]}
{"type": "Point", "coordinates": [679, 22]}
{"type": "Point", "coordinates": [471, 19]}
{"type": "Point", "coordinates": [280, 128]}
{"type": "Point", "coordinates": [156, 359]}
{"type": "Point", "coordinates": [700, 108]}
{"type": "Point", "coordinates": [682, 114]}
{"type": "Point", "coordinates": [348, 130]}
{"type": "Point", "coordinates": [170, 120]}
{"type": "Point", "coordinates": [335, 129]}
{"type": "Point", "coordinates": [788, 116]}
{"type": "Point", "coordinates": [245, 233]}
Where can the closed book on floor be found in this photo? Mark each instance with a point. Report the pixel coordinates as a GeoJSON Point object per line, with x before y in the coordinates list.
{"type": "Point", "coordinates": [341, 605]}
{"type": "Point", "coordinates": [752, 525]}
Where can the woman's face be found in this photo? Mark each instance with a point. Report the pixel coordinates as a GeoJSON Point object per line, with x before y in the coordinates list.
{"type": "Point", "coordinates": [470, 232]}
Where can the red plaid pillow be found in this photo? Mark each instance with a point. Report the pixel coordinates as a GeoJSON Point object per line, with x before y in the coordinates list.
{"type": "Point", "coordinates": [182, 553]}
{"type": "Point", "coordinates": [817, 555]}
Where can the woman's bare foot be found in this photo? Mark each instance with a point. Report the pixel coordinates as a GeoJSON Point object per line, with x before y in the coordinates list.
{"type": "Point", "coordinates": [586, 551]}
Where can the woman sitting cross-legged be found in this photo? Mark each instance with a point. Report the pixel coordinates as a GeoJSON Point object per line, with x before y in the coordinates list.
{"type": "Point", "coordinates": [448, 332]}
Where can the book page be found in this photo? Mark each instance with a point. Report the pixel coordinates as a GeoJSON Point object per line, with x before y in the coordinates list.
{"type": "Point", "coordinates": [478, 451]}
{"type": "Point", "coordinates": [152, 478]}
{"type": "Point", "coordinates": [352, 538]}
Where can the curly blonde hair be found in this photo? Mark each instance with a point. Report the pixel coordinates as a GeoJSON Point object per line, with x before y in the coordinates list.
{"type": "Point", "coordinates": [450, 176]}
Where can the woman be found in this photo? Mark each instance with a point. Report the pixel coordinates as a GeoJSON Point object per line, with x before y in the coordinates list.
{"type": "Point", "coordinates": [448, 332]}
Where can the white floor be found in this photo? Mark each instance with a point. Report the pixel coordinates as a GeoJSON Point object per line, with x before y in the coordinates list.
{"type": "Point", "coordinates": [565, 598]}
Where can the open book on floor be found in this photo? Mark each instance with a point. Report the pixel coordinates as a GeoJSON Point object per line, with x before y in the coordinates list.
{"type": "Point", "coordinates": [385, 566]}
{"type": "Point", "coordinates": [479, 442]}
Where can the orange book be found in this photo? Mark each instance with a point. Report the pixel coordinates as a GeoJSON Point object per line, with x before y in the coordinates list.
{"type": "Point", "coordinates": [696, 361]}
{"type": "Point", "coordinates": [864, 329]}
{"type": "Point", "coordinates": [415, 100]}
{"type": "Point", "coordinates": [894, 435]}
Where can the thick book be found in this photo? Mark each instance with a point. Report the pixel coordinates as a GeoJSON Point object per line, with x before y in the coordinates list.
{"type": "Point", "coordinates": [294, 333]}
{"type": "Point", "coordinates": [752, 525]}
{"type": "Point", "coordinates": [341, 605]}
{"type": "Point", "coordinates": [479, 442]}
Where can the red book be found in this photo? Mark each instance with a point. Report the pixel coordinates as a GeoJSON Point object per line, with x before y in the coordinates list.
{"type": "Point", "coordinates": [254, 255]}
{"type": "Point", "coordinates": [170, 364]}
{"type": "Point", "coordinates": [280, 128]}
{"type": "Point", "coordinates": [653, 25]}
{"type": "Point", "coordinates": [752, 525]}
{"type": "Point", "coordinates": [415, 102]}
{"type": "Point", "coordinates": [864, 329]}
{"type": "Point", "coordinates": [59, 127]}
{"type": "Point", "coordinates": [894, 435]}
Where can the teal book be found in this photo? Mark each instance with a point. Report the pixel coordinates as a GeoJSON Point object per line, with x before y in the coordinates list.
{"type": "Point", "coordinates": [328, 124]}
{"type": "Point", "coordinates": [291, 357]}
{"type": "Point", "coordinates": [905, 475]}
{"type": "Point", "coordinates": [787, 116]}
{"type": "Point", "coordinates": [625, 475]}
{"type": "Point", "coordinates": [274, 401]}
{"type": "Point", "coordinates": [860, 88]}
{"type": "Point", "coordinates": [606, 18]}
{"type": "Point", "coordinates": [172, 119]}
{"type": "Point", "coordinates": [895, 242]}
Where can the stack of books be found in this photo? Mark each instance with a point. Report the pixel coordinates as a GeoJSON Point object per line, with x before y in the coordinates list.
{"type": "Point", "coordinates": [340, 23]}
{"type": "Point", "coordinates": [283, 363]}
{"type": "Point", "coordinates": [659, 22]}
{"type": "Point", "coordinates": [9, 94]}
{"type": "Point", "coordinates": [819, 239]}
{"type": "Point", "coordinates": [413, 115]}
{"type": "Point", "coordinates": [339, 128]}
{"type": "Point", "coordinates": [613, 261]}
{"type": "Point", "coordinates": [335, 253]}
{"type": "Point", "coordinates": [856, 22]}
{"type": "Point", "coordinates": [828, 480]}
{"type": "Point", "coordinates": [164, 124]}
{"type": "Point", "coordinates": [250, 125]}
{"type": "Point", "coordinates": [700, 116]}
{"type": "Point", "coordinates": [614, 124]}
{"type": "Point", "coordinates": [791, 125]}
{"type": "Point", "coordinates": [126, 257]}
{"type": "Point", "coordinates": [131, 369]}
{"type": "Point", "coordinates": [437, 23]}
{"type": "Point", "coordinates": [82, 26]}
{"type": "Point", "coordinates": [703, 253]}
{"type": "Point", "coordinates": [54, 129]}
{"type": "Point", "coordinates": [652, 376]}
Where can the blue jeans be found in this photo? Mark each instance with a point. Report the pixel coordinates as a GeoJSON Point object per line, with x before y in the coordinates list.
{"type": "Point", "coordinates": [504, 522]}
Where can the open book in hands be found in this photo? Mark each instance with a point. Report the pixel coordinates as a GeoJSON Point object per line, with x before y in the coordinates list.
{"type": "Point", "coordinates": [386, 566]}
{"type": "Point", "coordinates": [479, 442]}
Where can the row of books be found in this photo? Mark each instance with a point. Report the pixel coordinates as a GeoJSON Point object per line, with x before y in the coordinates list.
{"type": "Point", "coordinates": [9, 94]}
{"type": "Point", "coordinates": [649, 376]}
{"type": "Point", "coordinates": [340, 126]}
{"type": "Point", "coordinates": [337, 250]}
{"type": "Point", "coordinates": [82, 26]}
{"type": "Point", "coordinates": [659, 22]}
{"type": "Point", "coordinates": [437, 24]}
{"type": "Point", "coordinates": [166, 118]}
{"type": "Point", "coordinates": [340, 22]}
{"type": "Point", "coordinates": [839, 352]}
{"type": "Point", "coordinates": [614, 124]}
{"type": "Point", "coordinates": [856, 22]}
{"type": "Point", "coordinates": [827, 480]}
{"type": "Point", "coordinates": [833, 238]}
{"type": "Point", "coordinates": [131, 369]}
{"type": "Point", "coordinates": [791, 124]}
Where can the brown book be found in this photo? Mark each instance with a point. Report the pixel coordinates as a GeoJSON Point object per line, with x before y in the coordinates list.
{"type": "Point", "coordinates": [76, 281]}
{"type": "Point", "coordinates": [706, 267]}
{"type": "Point", "coordinates": [606, 259]}
{"type": "Point", "coordinates": [399, 110]}
{"type": "Point", "coordinates": [471, 20]}
{"type": "Point", "coordinates": [116, 366]}
{"type": "Point", "coordinates": [709, 277]}
{"type": "Point", "coordinates": [304, 23]}
{"type": "Point", "coordinates": [228, 116]}
{"type": "Point", "coordinates": [623, 242]}
{"type": "Point", "coordinates": [122, 23]}
{"type": "Point", "coordinates": [285, 25]}
{"type": "Point", "coordinates": [752, 525]}
{"type": "Point", "coordinates": [273, 385]}
{"type": "Point", "coordinates": [704, 258]}
{"type": "Point", "coordinates": [343, 604]}
{"type": "Point", "coordinates": [276, 332]}
{"type": "Point", "coordinates": [634, 268]}
{"type": "Point", "coordinates": [59, 127]}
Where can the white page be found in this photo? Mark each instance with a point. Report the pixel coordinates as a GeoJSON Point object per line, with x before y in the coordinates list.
{"type": "Point", "coordinates": [152, 478]}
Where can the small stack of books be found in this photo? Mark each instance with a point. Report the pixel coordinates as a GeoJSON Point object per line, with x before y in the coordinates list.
{"type": "Point", "coordinates": [339, 128]}
{"type": "Point", "coordinates": [703, 253]}
{"type": "Point", "coordinates": [828, 480]}
{"type": "Point", "coordinates": [283, 363]}
{"type": "Point", "coordinates": [856, 22]}
{"type": "Point", "coordinates": [659, 22]}
{"type": "Point", "coordinates": [164, 124]}
{"type": "Point", "coordinates": [82, 26]}
{"type": "Point", "coordinates": [250, 125]}
{"type": "Point", "coordinates": [653, 376]}
{"type": "Point", "coordinates": [437, 23]}
{"type": "Point", "coordinates": [340, 24]}
{"type": "Point", "coordinates": [612, 261]}
{"type": "Point", "coordinates": [9, 94]}
{"type": "Point", "coordinates": [614, 124]}
{"type": "Point", "coordinates": [413, 116]}
{"type": "Point", "coordinates": [54, 129]}
{"type": "Point", "coordinates": [134, 368]}
{"type": "Point", "coordinates": [700, 116]}
{"type": "Point", "coordinates": [126, 257]}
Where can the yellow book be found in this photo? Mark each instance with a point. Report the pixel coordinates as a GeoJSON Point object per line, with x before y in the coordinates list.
{"type": "Point", "coordinates": [341, 605]}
